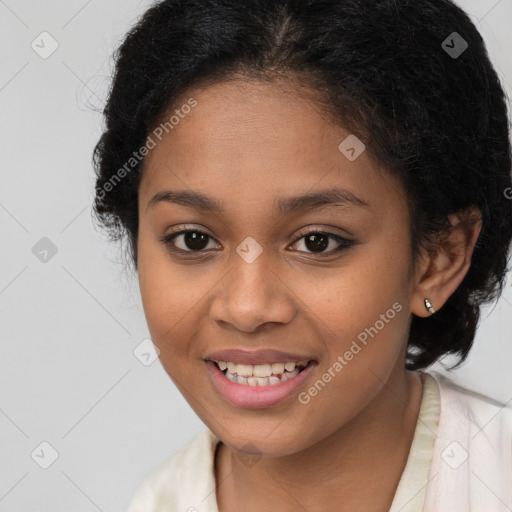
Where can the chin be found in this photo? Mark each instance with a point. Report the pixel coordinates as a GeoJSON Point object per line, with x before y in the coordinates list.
{"type": "Point", "coordinates": [258, 443]}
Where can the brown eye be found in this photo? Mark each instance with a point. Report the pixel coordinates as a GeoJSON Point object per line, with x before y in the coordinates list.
{"type": "Point", "coordinates": [191, 240]}
{"type": "Point", "coordinates": [316, 242]}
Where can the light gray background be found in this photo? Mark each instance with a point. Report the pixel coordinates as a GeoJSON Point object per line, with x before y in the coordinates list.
{"type": "Point", "coordinates": [68, 329]}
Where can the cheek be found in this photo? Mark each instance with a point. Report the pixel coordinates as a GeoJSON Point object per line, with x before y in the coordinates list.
{"type": "Point", "coordinates": [371, 289]}
{"type": "Point", "coordinates": [363, 349]}
{"type": "Point", "coordinates": [160, 291]}
{"type": "Point", "coordinates": [174, 299]}
{"type": "Point", "coordinates": [361, 315]}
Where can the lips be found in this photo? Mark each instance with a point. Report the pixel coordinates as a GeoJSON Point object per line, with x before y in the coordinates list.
{"type": "Point", "coordinates": [254, 357]}
{"type": "Point", "coordinates": [253, 397]}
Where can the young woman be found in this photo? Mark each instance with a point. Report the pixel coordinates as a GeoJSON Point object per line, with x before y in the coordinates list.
{"type": "Point", "coordinates": [316, 197]}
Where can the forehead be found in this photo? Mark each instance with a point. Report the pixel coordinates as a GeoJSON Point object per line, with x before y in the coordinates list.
{"type": "Point", "coordinates": [253, 141]}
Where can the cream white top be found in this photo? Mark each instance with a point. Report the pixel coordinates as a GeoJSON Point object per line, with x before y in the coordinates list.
{"type": "Point", "coordinates": [460, 460]}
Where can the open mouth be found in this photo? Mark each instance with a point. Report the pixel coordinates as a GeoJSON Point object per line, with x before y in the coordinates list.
{"type": "Point", "coordinates": [261, 375]}
{"type": "Point", "coordinates": [260, 385]}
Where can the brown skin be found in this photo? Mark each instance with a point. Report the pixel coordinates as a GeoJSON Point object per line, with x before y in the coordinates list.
{"type": "Point", "coordinates": [246, 144]}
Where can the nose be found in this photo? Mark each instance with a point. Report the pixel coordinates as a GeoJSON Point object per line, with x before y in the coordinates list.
{"type": "Point", "coordinates": [252, 295]}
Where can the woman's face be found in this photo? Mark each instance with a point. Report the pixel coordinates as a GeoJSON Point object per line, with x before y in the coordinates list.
{"type": "Point", "coordinates": [249, 276]}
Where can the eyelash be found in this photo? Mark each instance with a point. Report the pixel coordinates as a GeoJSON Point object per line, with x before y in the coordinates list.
{"type": "Point", "coordinates": [345, 243]}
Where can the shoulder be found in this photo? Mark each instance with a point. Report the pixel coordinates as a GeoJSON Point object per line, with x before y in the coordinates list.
{"type": "Point", "coordinates": [186, 476]}
{"type": "Point", "coordinates": [471, 466]}
{"type": "Point", "coordinates": [475, 408]}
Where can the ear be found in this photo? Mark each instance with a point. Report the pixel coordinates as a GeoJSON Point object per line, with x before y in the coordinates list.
{"type": "Point", "coordinates": [444, 265]}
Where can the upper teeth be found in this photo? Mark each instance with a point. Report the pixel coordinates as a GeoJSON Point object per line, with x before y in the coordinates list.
{"type": "Point", "coordinates": [259, 370]}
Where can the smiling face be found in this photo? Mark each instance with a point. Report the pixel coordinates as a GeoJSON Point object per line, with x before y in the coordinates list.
{"type": "Point", "coordinates": [250, 147]}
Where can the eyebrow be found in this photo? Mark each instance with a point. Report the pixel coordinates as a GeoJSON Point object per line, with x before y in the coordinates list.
{"type": "Point", "coordinates": [284, 205]}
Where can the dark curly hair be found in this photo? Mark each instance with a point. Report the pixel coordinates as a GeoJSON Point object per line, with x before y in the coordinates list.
{"type": "Point", "coordinates": [385, 69]}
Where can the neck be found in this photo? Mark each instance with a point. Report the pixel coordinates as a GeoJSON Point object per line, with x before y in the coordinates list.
{"type": "Point", "coordinates": [359, 465]}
